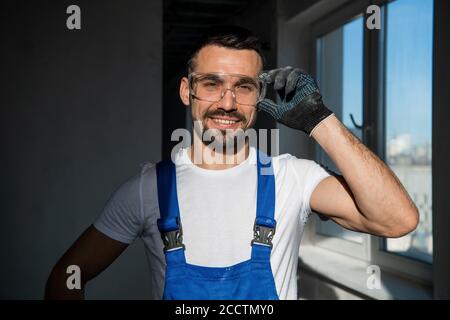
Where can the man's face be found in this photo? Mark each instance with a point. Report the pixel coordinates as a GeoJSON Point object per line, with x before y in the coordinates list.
{"type": "Point", "coordinates": [226, 114]}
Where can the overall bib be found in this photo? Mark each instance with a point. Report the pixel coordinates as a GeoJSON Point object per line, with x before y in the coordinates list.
{"type": "Point", "coordinates": [248, 280]}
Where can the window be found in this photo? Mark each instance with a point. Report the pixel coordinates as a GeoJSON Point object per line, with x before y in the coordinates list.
{"type": "Point", "coordinates": [397, 124]}
{"type": "Point", "coordinates": [409, 50]}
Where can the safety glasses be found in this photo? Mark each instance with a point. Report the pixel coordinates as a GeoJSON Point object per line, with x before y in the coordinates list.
{"type": "Point", "coordinates": [212, 86]}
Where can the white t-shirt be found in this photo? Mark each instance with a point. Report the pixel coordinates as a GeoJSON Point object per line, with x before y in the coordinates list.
{"type": "Point", "coordinates": [217, 210]}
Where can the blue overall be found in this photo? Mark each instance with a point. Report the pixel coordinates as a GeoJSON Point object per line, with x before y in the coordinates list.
{"type": "Point", "coordinates": [248, 280]}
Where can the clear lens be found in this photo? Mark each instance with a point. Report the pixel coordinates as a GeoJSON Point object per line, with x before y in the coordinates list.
{"type": "Point", "coordinates": [213, 86]}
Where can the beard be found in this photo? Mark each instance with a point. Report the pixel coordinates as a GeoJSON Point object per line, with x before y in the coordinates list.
{"type": "Point", "coordinates": [224, 140]}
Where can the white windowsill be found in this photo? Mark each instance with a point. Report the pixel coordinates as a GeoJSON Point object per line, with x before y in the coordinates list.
{"type": "Point", "coordinates": [352, 273]}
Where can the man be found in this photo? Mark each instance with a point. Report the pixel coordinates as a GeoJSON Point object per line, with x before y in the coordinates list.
{"type": "Point", "coordinates": [229, 231]}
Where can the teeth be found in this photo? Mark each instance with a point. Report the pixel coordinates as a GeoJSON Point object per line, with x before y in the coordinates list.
{"type": "Point", "coordinates": [221, 121]}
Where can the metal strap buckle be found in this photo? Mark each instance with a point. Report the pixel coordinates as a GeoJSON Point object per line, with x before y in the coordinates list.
{"type": "Point", "coordinates": [263, 235]}
{"type": "Point", "coordinates": [173, 239]}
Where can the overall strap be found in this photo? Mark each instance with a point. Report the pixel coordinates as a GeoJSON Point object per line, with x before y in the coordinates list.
{"type": "Point", "coordinates": [264, 228]}
{"type": "Point", "coordinates": [169, 224]}
{"type": "Point", "coordinates": [265, 206]}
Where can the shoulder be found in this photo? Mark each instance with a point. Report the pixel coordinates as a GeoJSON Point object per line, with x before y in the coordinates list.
{"type": "Point", "coordinates": [147, 171]}
{"type": "Point", "coordinates": [124, 215]}
{"type": "Point", "coordinates": [144, 175]}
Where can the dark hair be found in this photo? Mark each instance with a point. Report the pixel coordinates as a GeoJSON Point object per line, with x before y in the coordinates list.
{"type": "Point", "coordinates": [228, 36]}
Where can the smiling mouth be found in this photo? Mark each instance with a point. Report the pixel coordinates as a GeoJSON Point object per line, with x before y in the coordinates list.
{"type": "Point", "coordinates": [224, 121]}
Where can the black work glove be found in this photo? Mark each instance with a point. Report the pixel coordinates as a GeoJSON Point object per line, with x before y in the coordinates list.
{"type": "Point", "coordinates": [301, 104]}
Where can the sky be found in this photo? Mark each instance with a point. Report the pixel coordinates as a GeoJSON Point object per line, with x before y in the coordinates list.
{"type": "Point", "coordinates": [408, 70]}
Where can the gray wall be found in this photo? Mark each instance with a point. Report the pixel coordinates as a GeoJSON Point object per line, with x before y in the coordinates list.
{"type": "Point", "coordinates": [80, 111]}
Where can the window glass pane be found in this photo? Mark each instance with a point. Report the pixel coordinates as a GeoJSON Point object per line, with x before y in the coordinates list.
{"type": "Point", "coordinates": [408, 114]}
{"type": "Point", "coordinates": [340, 77]}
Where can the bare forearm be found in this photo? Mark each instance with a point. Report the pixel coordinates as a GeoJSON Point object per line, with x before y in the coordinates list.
{"type": "Point", "coordinates": [378, 193]}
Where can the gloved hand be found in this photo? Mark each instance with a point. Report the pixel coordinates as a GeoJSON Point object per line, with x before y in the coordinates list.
{"type": "Point", "coordinates": [301, 104]}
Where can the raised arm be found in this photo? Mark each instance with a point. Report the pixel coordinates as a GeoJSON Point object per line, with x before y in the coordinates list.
{"type": "Point", "coordinates": [368, 197]}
